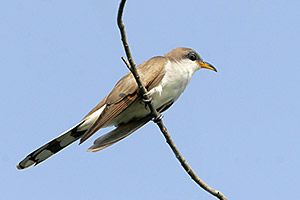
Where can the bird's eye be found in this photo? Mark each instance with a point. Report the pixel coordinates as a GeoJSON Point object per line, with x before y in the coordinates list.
{"type": "Point", "coordinates": [192, 56]}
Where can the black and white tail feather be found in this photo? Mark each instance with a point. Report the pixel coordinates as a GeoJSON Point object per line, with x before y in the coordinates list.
{"type": "Point", "coordinates": [75, 133]}
{"type": "Point", "coordinates": [52, 147]}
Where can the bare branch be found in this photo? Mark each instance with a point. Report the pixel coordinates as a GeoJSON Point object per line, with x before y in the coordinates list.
{"type": "Point", "coordinates": [133, 70]}
{"type": "Point", "coordinates": [185, 165]}
{"type": "Point", "coordinates": [126, 63]}
{"type": "Point", "coordinates": [157, 116]}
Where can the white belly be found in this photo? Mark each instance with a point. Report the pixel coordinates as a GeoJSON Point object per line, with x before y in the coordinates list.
{"type": "Point", "coordinates": [172, 85]}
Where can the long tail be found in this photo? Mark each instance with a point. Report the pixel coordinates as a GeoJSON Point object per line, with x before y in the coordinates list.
{"type": "Point", "coordinates": [75, 133]}
{"type": "Point", "coordinates": [53, 146]}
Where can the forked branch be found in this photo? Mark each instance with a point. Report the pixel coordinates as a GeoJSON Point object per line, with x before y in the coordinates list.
{"type": "Point", "coordinates": [156, 115]}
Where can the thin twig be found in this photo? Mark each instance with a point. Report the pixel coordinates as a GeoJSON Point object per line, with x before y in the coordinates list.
{"type": "Point", "coordinates": [132, 65]}
{"type": "Point", "coordinates": [126, 63]}
{"type": "Point", "coordinates": [157, 116]}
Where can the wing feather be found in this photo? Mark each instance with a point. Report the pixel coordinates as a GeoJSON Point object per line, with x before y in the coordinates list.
{"type": "Point", "coordinates": [125, 92]}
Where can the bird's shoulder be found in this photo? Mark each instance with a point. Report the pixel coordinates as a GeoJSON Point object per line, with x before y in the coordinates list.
{"type": "Point", "coordinates": [127, 85]}
{"type": "Point", "coordinates": [151, 72]}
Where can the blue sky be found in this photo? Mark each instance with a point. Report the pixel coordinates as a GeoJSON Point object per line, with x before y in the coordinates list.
{"type": "Point", "coordinates": [238, 128]}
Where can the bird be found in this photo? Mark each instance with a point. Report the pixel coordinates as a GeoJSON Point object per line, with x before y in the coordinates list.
{"type": "Point", "coordinates": [164, 77]}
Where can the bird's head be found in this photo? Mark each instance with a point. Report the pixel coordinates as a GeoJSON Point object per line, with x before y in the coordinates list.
{"type": "Point", "coordinates": [189, 57]}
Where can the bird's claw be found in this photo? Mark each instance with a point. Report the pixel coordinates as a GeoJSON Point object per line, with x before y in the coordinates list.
{"type": "Point", "coordinates": [158, 118]}
{"type": "Point", "coordinates": [147, 98]}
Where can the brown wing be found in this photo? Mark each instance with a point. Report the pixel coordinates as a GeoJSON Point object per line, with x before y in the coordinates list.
{"type": "Point", "coordinates": [97, 107]}
{"type": "Point", "coordinates": [125, 92]}
{"type": "Point", "coordinates": [118, 134]}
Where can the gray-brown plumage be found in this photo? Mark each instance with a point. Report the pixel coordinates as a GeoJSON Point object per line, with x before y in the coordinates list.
{"type": "Point", "coordinates": [125, 92]}
{"type": "Point", "coordinates": [165, 78]}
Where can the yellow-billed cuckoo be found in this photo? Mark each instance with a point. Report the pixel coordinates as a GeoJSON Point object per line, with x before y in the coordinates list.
{"type": "Point", "coordinates": [165, 78]}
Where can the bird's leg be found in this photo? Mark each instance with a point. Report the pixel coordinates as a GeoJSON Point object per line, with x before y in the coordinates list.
{"type": "Point", "coordinates": [147, 97]}
{"type": "Point", "coordinates": [158, 118]}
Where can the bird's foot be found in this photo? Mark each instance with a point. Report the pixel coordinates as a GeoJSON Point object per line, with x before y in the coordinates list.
{"type": "Point", "coordinates": [158, 118]}
{"type": "Point", "coordinates": [147, 98]}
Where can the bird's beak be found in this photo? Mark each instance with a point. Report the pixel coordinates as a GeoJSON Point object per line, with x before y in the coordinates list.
{"type": "Point", "coordinates": [206, 65]}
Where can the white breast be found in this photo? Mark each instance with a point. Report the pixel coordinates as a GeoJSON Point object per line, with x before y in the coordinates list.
{"type": "Point", "coordinates": [177, 76]}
